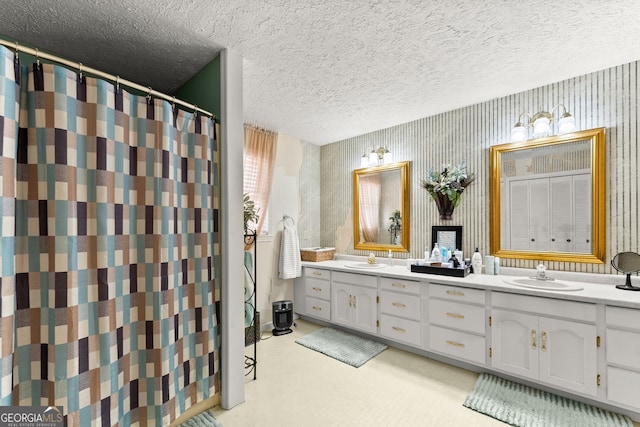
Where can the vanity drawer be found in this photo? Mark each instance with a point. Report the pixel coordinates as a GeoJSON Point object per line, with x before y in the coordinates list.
{"type": "Point", "coordinates": [355, 279]}
{"type": "Point", "coordinates": [454, 293]}
{"type": "Point", "coordinates": [397, 329]}
{"type": "Point", "coordinates": [457, 344]}
{"type": "Point", "coordinates": [581, 311]}
{"type": "Point", "coordinates": [398, 304]}
{"type": "Point", "coordinates": [469, 318]}
{"type": "Point", "coordinates": [623, 348]}
{"type": "Point", "coordinates": [624, 317]}
{"type": "Point", "coordinates": [317, 288]}
{"type": "Point", "coordinates": [400, 285]}
{"type": "Point", "coordinates": [623, 387]}
{"type": "Point", "coordinates": [317, 308]}
{"type": "Point", "coordinates": [317, 273]}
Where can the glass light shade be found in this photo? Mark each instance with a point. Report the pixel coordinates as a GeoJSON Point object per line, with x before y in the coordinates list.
{"type": "Point", "coordinates": [364, 161]}
{"type": "Point", "coordinates": [541, 127]}
{"type": "Point", "coordinates": [519, 133]}
{"type": "Point", "coordinates": [566, 124]}
{"type": "Point", "coordinates": [373, 158]}
{"type": "Point", "coordinates": [387, 158]}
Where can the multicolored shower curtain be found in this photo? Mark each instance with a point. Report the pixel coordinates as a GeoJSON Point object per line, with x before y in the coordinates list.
{"type": "Point", "coordinates": [109, 246]}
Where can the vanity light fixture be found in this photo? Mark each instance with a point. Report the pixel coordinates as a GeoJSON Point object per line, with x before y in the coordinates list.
{"type": "Point", "coordinates": [378, 156]}
{"type": "Point", "coordinates": [541, 123]}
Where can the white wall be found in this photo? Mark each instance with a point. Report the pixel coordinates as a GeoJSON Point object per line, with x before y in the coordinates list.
{"type": "Point", "coordinates": [608, 98]}
{"type": "Point", "coordinates": [284, 200]}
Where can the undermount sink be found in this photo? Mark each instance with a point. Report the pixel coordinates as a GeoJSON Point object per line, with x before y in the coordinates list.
{"type": "Point", "coordinates": [547, 285]}
{"type": "Point", "coordinates": [365, 265]}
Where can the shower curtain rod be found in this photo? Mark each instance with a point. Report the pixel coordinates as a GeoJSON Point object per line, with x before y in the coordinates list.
{"type": "Point", "coordinates": [115, 79]}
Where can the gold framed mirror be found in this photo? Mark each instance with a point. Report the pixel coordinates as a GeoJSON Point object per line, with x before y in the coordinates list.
{"type": "Point", "coordinates": [381, 208]}
{"type": "Point", "coordinates": [548, 198]}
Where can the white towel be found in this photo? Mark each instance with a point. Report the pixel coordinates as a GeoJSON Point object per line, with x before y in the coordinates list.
{"type": "Point", "coordinates": [290, 262]}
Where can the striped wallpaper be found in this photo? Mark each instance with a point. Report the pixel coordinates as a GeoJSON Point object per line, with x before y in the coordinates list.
{"type": "Point", "coordinates": [607, 98]}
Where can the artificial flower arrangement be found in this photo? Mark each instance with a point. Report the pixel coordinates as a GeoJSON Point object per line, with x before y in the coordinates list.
{"type": "Point", "coordinates": [450, 181]}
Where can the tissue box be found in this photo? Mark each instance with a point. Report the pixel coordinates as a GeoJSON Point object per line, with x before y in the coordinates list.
{"type": "Point", "coordinates": [317, 254]}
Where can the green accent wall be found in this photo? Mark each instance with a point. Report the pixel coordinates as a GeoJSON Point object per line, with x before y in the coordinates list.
{"type": "Point", "coordinates": [203, 89]}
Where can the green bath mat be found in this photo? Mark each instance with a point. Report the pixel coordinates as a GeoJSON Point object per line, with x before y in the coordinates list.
{"type": "Point", "coordinates": [203, 419]}
{"type": "Point", "coordinates": [347, 348]}
{"type": "Point", "coordinates": [523, 406]}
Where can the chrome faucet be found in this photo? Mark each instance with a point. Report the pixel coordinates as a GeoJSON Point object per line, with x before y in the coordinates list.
{"type": "Point", "coordinates": [541, 273]}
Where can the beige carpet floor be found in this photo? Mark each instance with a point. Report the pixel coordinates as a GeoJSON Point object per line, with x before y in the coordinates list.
{"type": "Point", "coordinates": [300, 387]}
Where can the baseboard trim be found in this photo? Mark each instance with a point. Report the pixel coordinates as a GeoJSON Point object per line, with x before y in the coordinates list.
{"type": "Point", "coordinates": [196, 409]}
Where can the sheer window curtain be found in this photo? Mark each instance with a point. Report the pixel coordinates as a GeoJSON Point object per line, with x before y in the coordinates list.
{"type": "Point", "coordinates": [259, 157]}
{"type": "Point", "coordinates": [109, 232]}
{"type": "Point", "coordinates": [369, 195]}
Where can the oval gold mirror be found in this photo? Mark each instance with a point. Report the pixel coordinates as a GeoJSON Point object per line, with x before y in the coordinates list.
{"type": "Point", "coordinates": [548, 198]}
{"type": "Point", "coordinates": [381, 208]}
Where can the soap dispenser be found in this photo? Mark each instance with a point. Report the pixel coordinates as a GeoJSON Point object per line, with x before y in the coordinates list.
{"type": "Point", "coordinates": [476, 262]}
{"type": "Point", "coordinates": [372, 258]}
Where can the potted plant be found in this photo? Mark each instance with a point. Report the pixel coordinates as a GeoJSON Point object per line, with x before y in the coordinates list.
{"type": "Point", "coordinates": [250, 212]}
{"type": "Point", "coordinates": [446, 186]}
{"type": "Point", "coordinates": [395, 227]}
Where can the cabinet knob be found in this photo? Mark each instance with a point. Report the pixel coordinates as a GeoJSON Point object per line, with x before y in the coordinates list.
{"type": "Point", "coordinates": [587, 240]}
{"type": "Point", "coordinates": [553, 240]}
{"type": "Point", "coordinates": [533, 240]}
{"type": "Point", "coordinates": [568, 240]}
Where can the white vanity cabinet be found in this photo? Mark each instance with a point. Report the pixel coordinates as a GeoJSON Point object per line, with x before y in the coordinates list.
{"type": "Point", "coordinates": [400, 310]}
{"type": "Point", "coordinates": [547, 340]}
{"type": "Point", "coordinates": [623, 356]}
{"type": "Point", "coordinates": [457, 322]}
{"type": "Point", "coordinates": [312, 293]}
{"type": "Point", "coordinates": [354, 301]}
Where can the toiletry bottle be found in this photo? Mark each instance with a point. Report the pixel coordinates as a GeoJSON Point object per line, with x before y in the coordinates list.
{"type": "Point", "coordinates": [496, 267]}
{"type": "Point", "coordinates": [435, 254]}
{"type": "Point", "coordinates": [390, 257]}
{"type": "Point", "coordinates": [426, 254]}
{"type": "Point", "coordinates": [372, 258]}
{"type": "Point", "coordinates": [476, 262]}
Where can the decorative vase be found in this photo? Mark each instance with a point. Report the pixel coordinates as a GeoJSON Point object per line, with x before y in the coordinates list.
{"type": "Point", "coordinates": [445, 206]}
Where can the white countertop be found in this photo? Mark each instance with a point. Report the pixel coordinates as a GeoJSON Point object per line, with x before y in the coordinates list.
{"type": "Point", "coordinates": [598, 288]}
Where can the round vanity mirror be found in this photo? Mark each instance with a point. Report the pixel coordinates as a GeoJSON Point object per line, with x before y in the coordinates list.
{"type": "Point", "coordinates": [627, 263]}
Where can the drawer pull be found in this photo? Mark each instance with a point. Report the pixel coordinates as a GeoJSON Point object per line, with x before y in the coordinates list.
{"type": "Point", "coordinates": [395, 328]}
{"type": "Point", "coordinates": [315, 288]}
{"type": "Point", "coordinates": [317, 273]}
{"type": "Point", "coordinates": [456, 293]}
{"type": "Point", "coordinates": [455, 344]}
{"type": "Point", "coordinates": [534, 339]}
{"type": "Point", "coordinates": [543, 338]}
{"type": "Point", "coordinates": [398, 304]}
{"type": "Point", "coordinates": [317, 308]}
{"type": "Point", "coordinates": [455, 315]}
{"type": "Point", "coordinates": [398, 285]}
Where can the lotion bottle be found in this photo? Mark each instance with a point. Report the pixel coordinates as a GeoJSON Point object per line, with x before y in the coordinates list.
{"type": "Point", "coordinates": [435, 253]}
{"type": "Point", "coordinates": [476, 262]}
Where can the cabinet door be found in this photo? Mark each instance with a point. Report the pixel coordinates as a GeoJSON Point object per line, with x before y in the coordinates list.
{"type": "Point", "coordinates": [561, 214]}
{"type": "Point", "coordinates": [568, 355]}
{"type": "Point", "coordinates": [514, 343]}
{"type": "Point", "coordinates": [539, 214]}
{"type": "Point", "coordinates": [582, 213]}
{"type": "Point", "coordinates": [518, 216]}
{"type": "Point", "coordinates": [341, 303]}
{"type": "Point", "coordinates": [365, 309]}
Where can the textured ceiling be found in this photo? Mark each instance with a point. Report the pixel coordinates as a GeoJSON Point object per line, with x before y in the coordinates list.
{"type": "Point", "coordinates": [325, 70]}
